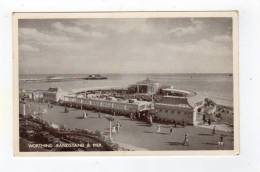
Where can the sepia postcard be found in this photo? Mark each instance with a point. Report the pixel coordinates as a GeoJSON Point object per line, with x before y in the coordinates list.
{"type": "Point", "coordinates": [126, 83]}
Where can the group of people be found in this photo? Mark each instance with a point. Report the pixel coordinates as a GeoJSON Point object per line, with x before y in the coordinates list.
{"type": "Point", "coordinates": [116, 128]}
{"type": "Point", "coordinates": [49, 105]}
{"type": "Point", "coordinates": [134, 116]}
{"type": "Point", "coordinates": [185, 141]}
{"type": "Point", "coordinates": [206, 120]}
{"type": "Point", "coordinates": [85, 114]}
{"type": "Point", "coordinates": [66, 110]}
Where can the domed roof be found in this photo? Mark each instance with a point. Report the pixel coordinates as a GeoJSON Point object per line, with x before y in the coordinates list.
{"type": "Point", "coordinates": [147, 81]}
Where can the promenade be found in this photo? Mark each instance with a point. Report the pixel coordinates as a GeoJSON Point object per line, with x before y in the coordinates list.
{"type": "Point", "coordinates": [138, 135]}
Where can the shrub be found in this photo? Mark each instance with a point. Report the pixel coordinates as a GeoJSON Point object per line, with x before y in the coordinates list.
{"type": "Point", "coordinates": [98, 134]}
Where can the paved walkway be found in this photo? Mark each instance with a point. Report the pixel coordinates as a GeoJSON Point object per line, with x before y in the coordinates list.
{"type": "Point", "coordinates": [219, 127]}
{"type": "Point", "coordinates": [137, 135]}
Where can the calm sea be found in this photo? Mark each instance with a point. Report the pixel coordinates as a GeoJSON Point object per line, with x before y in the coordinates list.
{"type": "Point", "coordinates": [218, 87]}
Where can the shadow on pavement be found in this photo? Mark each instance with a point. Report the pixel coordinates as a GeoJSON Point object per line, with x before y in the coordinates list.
{"type": "Point", "coordinates": [126, 119]}
{"type": "Point", "coordinates": [204, 134]}
{"type": "Point", "coordinates": [148, 132]}
{"type": "Point", "coordinates": [94, 117]}
{"type": "Point", "coordinates": [144, 125]}
{"type": "Point", "coordinates": [164, 133]}
{"type": "Point", "coordinates": [175, 143]}
{"type": "Point", "coordinates": [208, 143]}
{"type": "Point", "coordinates": [79, 117]}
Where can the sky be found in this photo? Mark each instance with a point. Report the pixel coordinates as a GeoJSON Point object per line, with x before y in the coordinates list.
{"type": "Point", "coordinates": [132, 45]}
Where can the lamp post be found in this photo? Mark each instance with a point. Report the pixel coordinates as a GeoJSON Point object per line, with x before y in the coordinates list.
{"type": "Point", "coordinates": [80, 104]}
{"type": "Point", "coordinates": [24, 110]}
{"type": "Point", "coordinates": [110, 132]}
{"type": "Point", "coordinates": [110, 119]}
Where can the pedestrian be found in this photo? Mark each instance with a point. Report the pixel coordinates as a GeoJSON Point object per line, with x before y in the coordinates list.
{"type": "Point", "coordinates": [221, 141]}
{"type": "Point", "coordinates": [114, 129]}
{"type": "Point", "coordinates": [214, 130]}
{"type": "Point", "coordinates": [118, 125]}
{"type": "Point", "coordinates": [158, 129]}
{"type": "Point", "coordinates": [186, 140]}
{"type": "Point", "coordinates": [84, 115]}
{"type": "Point", "coordinates": [209, 121]}
{"type": "Point", "coordinates": [134, 116]}
{"type": "Point", "coordinates": [204, 118]}
{"type": "Point", "coordinates": [99, 115]}
{"type": "Point", "coordinates": [131, 116]}
{"type": "Point", "coordinates": [151, 120]}
{"type": "Point", "coordinates": [175, 124]}
{"type": "Point", "coordinates": [66, 110]}
{"type": "Point", "coordinates": [183, 123]}
{"type": "Point", "coordinates": [171, 130]}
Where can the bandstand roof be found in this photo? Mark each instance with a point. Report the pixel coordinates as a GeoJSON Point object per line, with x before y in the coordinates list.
{"type": "Point", "coordinates": [147, 82]}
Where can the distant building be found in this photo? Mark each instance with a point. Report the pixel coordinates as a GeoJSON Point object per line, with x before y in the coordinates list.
{"type": "Point", "coordinates": [35, 95]}
{"type": "Point", "coordinates": [145, 87]}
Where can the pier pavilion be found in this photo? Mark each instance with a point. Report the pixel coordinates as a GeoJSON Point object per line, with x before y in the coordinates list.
{"type": "Point", "coordinates": [146, 86]}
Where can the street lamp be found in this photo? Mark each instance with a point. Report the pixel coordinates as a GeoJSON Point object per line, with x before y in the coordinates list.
{"type": "Point", "coordinates": [110, 119]}
{"type": "Point", "coordinates": [23, 102]}
{"type": "Point", "coordinates": [80, 104]}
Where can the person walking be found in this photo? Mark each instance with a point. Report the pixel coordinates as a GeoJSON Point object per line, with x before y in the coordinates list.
{"type": "Point", "coordinates": [221, 141]}
{"type": "Point", "coordinates": [183, 123]}
{"type": "Point", "coordinates": [139, 115]}
{"type": "Point", "coordinates": [209, 122]}
{"type": "Point", "coordinates": [175, 124]}
{"type": "Point", "coordinates": [171, 130]}
{"type": "Point", "coordinates": [151, 120]}
{"type": "Point", "coordinates": [66, 110]}
{"type": "Point", "coordinates": [114, 130]}
{"type": "Point", "coordinates": [204, 118]}
{"type": "Point", "coordinates": [84, 114]}
{"type": "Point", "coordinates": [186, 140]}
{"type": "Point", "coordinates": [214, 130]}
{"type": "Point", "coordinates": [118, 125]}
{"type": "Point", "coordinates": [131, 116]}
{"type": "Point", "coordinates": [158, 129]}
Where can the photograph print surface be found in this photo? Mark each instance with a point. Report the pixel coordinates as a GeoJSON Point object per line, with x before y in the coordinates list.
{"type": "Point", "coordinates": [125, 82]}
